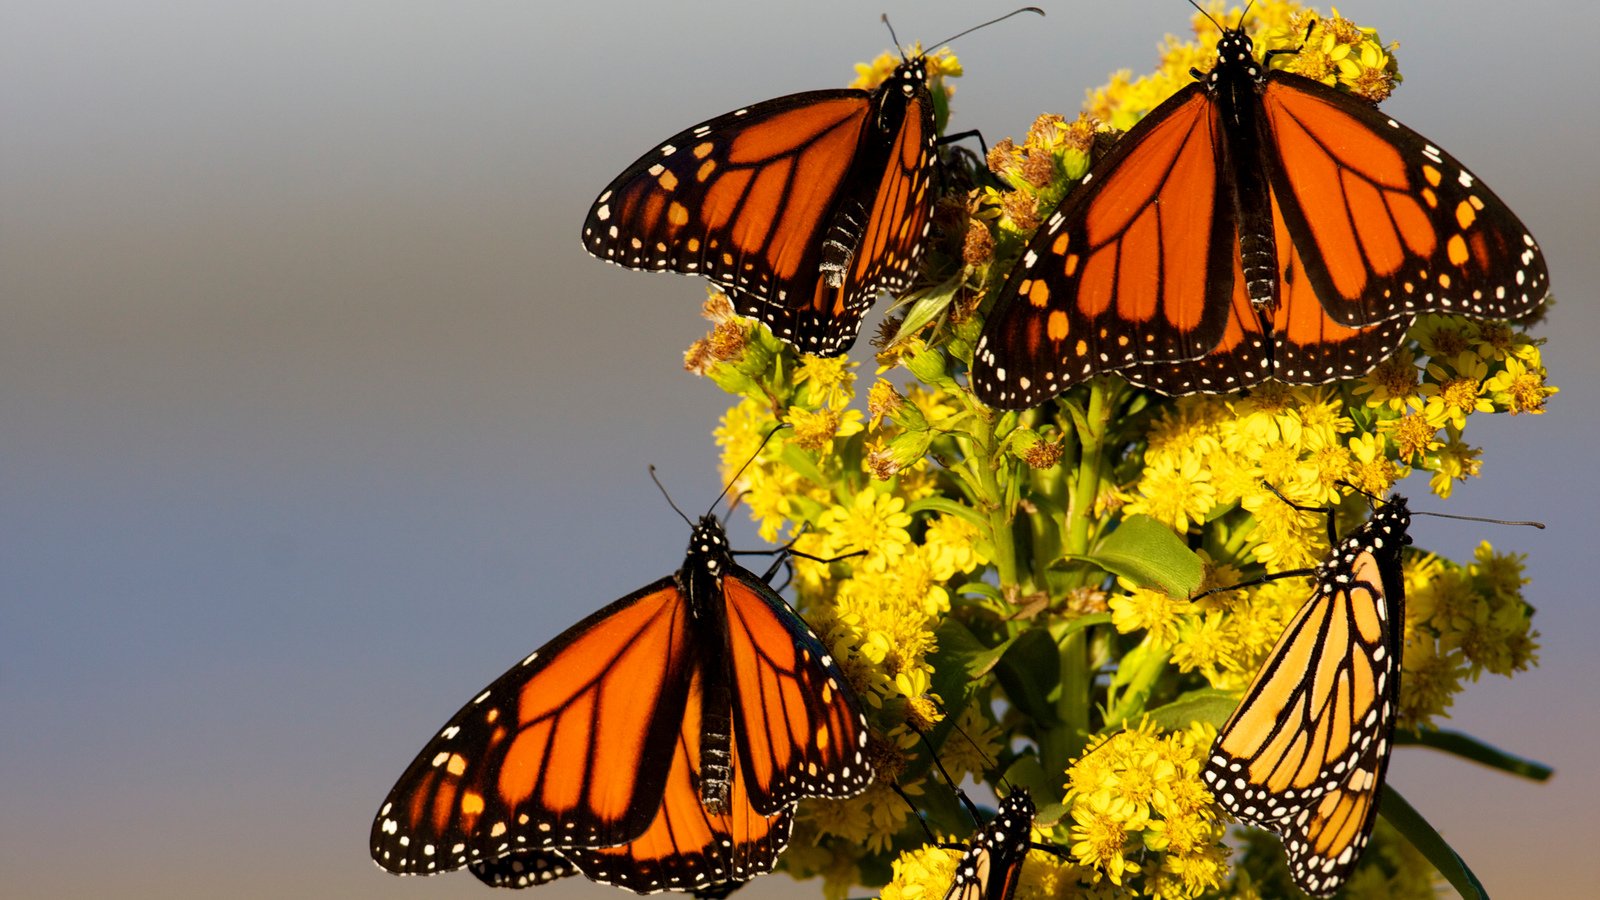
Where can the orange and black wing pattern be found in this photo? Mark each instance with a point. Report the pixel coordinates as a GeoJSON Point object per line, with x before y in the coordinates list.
{"type": "Point", "coordinates": [798, 725]}
{"type": "Point", "coordinates": [563, 750]}
{"type": "Point", "coordinates": [685, 848]}
{"type": "Point", "coordinates": [1334, 225]}
{"type": "Point", "coordinates": [1298, 343]}
{"type": "Point", "coordinates": [1388, 224]}
{"type": "Point", "coordinates": [1133, 269]}
{"type": "Point", "coordinates": [802, 208]}
{"type": "Point", "coordinates": [991, 866]}
{"type": "Point", "coordinates": [1305, 753]}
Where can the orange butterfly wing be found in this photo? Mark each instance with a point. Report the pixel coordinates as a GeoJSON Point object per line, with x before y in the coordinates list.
{"type": "Point", "coordinates": [1399, 226]}
{"type": "Point", "coordinates": [588, 753]}
{"type": "Point", "coordinates": [685, 847]}
{"type": "Point", "coordinates": [752, 200]}
{"type": "Point", "coordinates": [898, 222]}
{"type": "Point", "coordinates": [1308, 346]}
{"type": "Point", "coordinates": [1305, 753]}
{"type": "Point", "coordinates": [1133, 269]}
{"type": "Point", "coordinates": [555, 753]}
{"type": "Point", "coordinates": [799, 727]}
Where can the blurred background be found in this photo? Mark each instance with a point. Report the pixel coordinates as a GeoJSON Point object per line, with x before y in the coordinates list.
{"type": "Point", "coordinates": [315, 416]}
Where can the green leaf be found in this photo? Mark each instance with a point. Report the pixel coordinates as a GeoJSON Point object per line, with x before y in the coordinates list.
{"type": "Point", "coordinates": [1422, 836]}
{"type": "Point", "coordinates": [1050, 813]}
{"type": "Point", "coordinates": [926, 306]}
{"type": "Point", "coordinates": [981, 589]}
{"type": "Point", "coordinates": [1204, 705]}
{"type": "Point", "coordinates": [1029, 670]}
{"type": "Point", "coordinates": [960, 650]}
{"type": "Point", "coordinates": [1082, 622]}
{"type": "Point", "coordinates": [948, 507]}
{"type": "Point", "coordinates": [800, 461]}
{"type": "Point", "coordinates": [1468, 747]}
{"type": "Point", "coordinates": [1139, 669]}
{"type": "Point", "coordinates": [1147, 553]}
{"type": "Point", "coordinates": [1027, 772]}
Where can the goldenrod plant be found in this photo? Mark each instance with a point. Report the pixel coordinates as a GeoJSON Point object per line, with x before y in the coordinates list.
{"type": "Point", "coordinates": [1022, 587]}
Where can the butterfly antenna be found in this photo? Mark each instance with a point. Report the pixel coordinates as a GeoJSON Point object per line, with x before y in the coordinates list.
{"type": "Point", "coordinates": [1033, 9]}
{"type": "Point", "coordinates": [1208, 15]}
{"type": "Point", "coordinates": [933, 754]}
{"type": "Point", "coordinates": [915, 813]}
{"type": "Point", "coordinates": [737, 475]}
{"type": "Point", "coordinates": [892, 37]}
{"type": "Point", "coordinates": [667, 495]}
{"type": "Point", "coordinates": [1419, 512]}
{"type": "Point", "coordinates": [1415, 512]}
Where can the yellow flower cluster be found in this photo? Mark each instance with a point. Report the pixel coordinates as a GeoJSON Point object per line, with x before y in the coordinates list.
{"type": "Point", "coordinates": [1462, 621]}
{"type": "Point", "coordinates": [1208, 453]}
{"type": "Point", "coordinates": [1053, 155]}
{"type": "Point", "coordinates": [1139, 812]}
{"type": "Point", "coordinates": [878, 602]}
{"type": "Point", "coordinates": [1471, 367]}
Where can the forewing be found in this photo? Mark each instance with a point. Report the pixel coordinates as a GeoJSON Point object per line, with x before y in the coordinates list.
{"type": "Point", "coordinates": [1134, 268]}
{"type": "Point", "coordinates": [568, 748]}
{"type": "Point", "coordinates": [899, 208]}
{"type": "Point", "coordinates": [742, 199]}
{"type": "Point", "coordinates": [798, 726]}
{"type": "Point", "coordinates": [1388, 224]}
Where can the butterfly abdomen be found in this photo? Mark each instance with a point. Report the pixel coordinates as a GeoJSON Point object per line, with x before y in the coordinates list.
{"type": "Point", "coordinates": [844, 236]}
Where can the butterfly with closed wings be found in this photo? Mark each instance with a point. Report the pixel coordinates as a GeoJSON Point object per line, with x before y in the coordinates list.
{"type": "Point", "coordinates": [1258, 224]}
{"type": "Point", "coordinates": [1304, 755]}
{"type": "Point", "coordinates": [803, 208]}
{"type": "Point", "coordinates": [659, 744]}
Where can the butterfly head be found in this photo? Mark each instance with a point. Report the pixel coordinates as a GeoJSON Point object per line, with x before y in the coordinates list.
{"type": "Point", "coordinates": [1012, 825]}
{"type": "Point", "coordinates": [911, 74]}
{"type": "Point", "coordinates": [1018, 804]}
{"type": "Point", "coordinates": [1235, 52]}
{"type": "Point", "coordinates": [1393, 519]}
{"type": "Point", "coordinates": [708, 547]}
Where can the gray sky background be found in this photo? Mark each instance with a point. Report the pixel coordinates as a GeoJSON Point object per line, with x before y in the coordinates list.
{"type": "Point", "coordinates": [315, 416]}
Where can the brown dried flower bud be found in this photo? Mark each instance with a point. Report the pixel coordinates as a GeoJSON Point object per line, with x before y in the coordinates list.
{"type": "Point", "coordinates": [978, 248]}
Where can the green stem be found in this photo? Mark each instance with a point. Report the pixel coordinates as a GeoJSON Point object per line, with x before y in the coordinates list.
{"type": "Point", "coordinates": [981, 449]}
{"type": "Point", "coordinates": [1140, 684]}
{"type": "Point", "coordinates": [1005, 550]}
{"type": "Point", "coordinates": [1091, 438]}
{"type": "Point", "coordinates": [1058, 746]}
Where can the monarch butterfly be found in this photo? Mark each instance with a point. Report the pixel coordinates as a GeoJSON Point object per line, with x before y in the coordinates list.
{"type": "Point", "coordinates": [990, 867]}
{"type": "Point", "coordinates": [1257, 224]}
{"type": "Point", "coordinates": [802, 208]}
{"type": "Point", "coordinates": [659, 744]}
{"type": "Point", "coordinates": [1305, 753]}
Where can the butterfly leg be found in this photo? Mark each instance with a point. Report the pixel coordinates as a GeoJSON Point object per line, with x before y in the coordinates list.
{"type": "Point", "coordinates": [963, 135]}
{"type": "Point", "coordinates": [1330, 512]}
